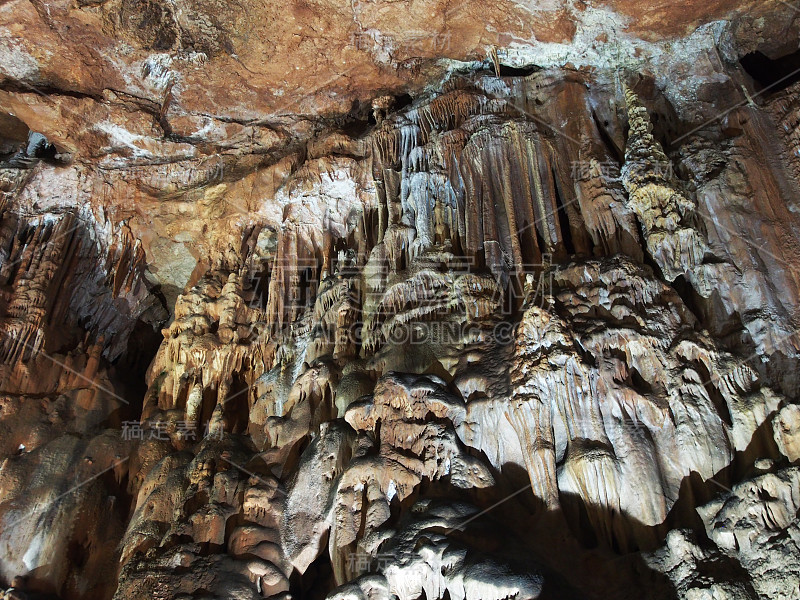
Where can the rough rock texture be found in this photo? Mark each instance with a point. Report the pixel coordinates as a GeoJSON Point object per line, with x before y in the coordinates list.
{"type": "Point", "coordinates": [408, 300]}
{"type": "Point", "coordinates": [750, 547]}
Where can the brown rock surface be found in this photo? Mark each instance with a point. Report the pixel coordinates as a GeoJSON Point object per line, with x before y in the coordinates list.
{"type": "Point", "coordinates": [399, 300]}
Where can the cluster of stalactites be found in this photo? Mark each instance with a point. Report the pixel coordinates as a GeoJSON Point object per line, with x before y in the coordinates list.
{"type": "Point", "coordinates": [665, 213]}
{"type": "Point", "coordinates": [41, 268]}
{"type": "Point", "coordinates": [215, 345]}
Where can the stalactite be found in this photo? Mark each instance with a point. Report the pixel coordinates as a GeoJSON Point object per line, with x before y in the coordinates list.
{"type": "Point", "coordinates": [664, 212]}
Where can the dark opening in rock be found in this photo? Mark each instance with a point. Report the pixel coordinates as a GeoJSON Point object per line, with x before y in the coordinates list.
{"type": "Point", "coordinates": [776, 74]}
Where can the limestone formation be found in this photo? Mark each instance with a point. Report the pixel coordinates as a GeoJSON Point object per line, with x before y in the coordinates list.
{"type": "Point", "coordinates": [664, 213]}
{"type": "Point", "coordinates": [369, 300]}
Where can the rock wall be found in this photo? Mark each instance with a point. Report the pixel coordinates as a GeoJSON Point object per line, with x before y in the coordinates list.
{"type": "Point", "coordinates": [521, 335]}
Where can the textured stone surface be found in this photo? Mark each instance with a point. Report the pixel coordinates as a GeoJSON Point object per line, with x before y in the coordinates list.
{"type": "Point", "coordinates": [398, 300]}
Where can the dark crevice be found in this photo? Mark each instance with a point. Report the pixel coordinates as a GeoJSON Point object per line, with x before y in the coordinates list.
{"type": "Point", "coordinates": [506, 71]}
{"type": "Point", "coordinates": [776, 74]}
{"type": "Point", "coordinates": [691, 299]}
{"type": "Point", "coordinates": [317, 580]}
{"type": "Point", "coordinates": [26, 155]}
{"type": "Point", "coordinates": [563, 219]}
{"type": "Point", "coordinates": [18, 87]}
{"type": "Point", "coordinates": [402, 101]}
{"type": "Point", "coordinates": [358, 127]}
{"type": "Point", "coordinates": [129, 371]}
{"type": "Point", "coordinates": [608, 141]}
{"type": "Point", "coordinates": [638, 383]}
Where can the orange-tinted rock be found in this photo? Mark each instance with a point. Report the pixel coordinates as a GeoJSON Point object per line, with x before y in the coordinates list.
{"type": "Point", "coordinates": [316, 300]}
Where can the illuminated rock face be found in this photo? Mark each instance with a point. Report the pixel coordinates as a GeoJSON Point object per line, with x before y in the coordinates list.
{"type": "Point", "coordinates": [364, 302]}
